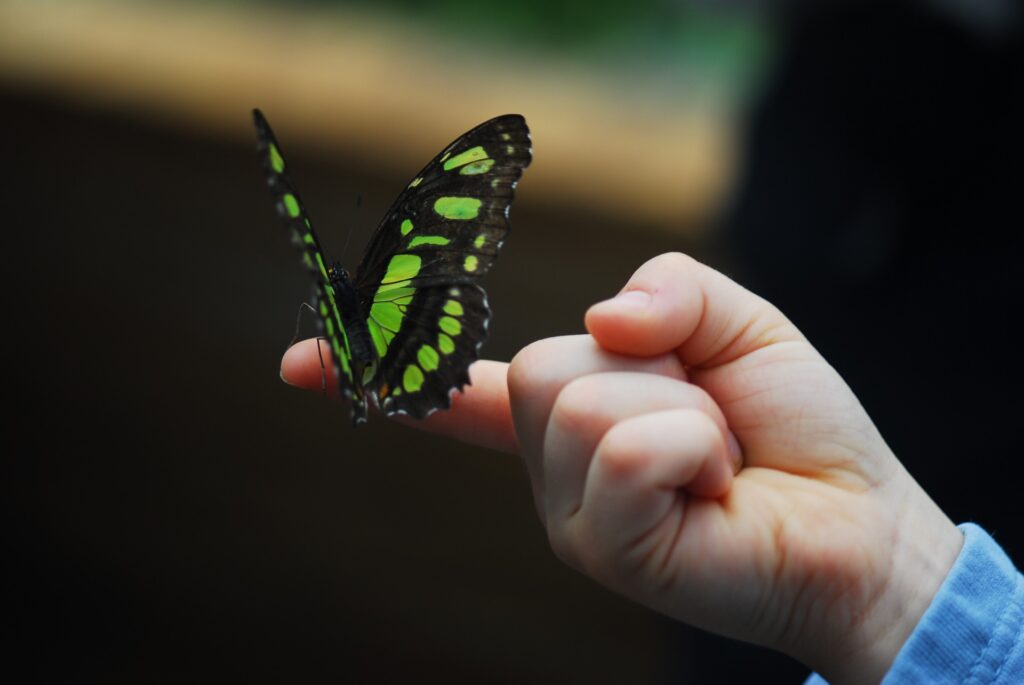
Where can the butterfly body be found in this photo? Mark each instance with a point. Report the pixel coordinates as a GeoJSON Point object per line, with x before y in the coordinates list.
{"type": "Point", "coordinates": [405, 327]}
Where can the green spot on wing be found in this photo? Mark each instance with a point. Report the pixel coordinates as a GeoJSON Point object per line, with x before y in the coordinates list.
{"type": "Point", "coordinates": [369, 372]}
{"type": "Point", "coordinates": [481, 167]}
{"type": "Point", "coordinates": [412, 379]}
{"type": "Point", "coordinates": [323, 269]}
{"type": "Point", "coordinates": [445, 344]}
{"type": "Point", "coordinates": [402, 267]}
{"type": "Point", "coordinates": [395, 295]}
{"type": "Point", "coordinates": [480, 241]}
{"type": "Point", "coordinates": [457, 207]}
{"type": "Point", "coordinates": [276, 160]}
{"type": "Point", "coordinates": [428, 240]}
{"type": "Point", "coordinates": [379, 343]}
{"type": "Point", "coordinates": [450, 326]}
{"type": "Point", "coordinates": [387, 314]}
{"type": "Point", "coordinates": [388, 288]}
{"type": "Point", "coordinates": [453, 307]}
{"type": "Point", "coordinates": [427, 357]}
{"type": "Point", "coordinates": [470, 263]}
{"type": "Point", "coordinates": [406, 227]}
{"type": "Point", "coordinates": [473, 154]}
{"type": "Point", "coordinates": [291, 205]}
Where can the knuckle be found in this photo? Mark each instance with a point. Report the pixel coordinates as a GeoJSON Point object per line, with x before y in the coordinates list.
{"type": "Point", "coordinates": [541, 362]}
{"type": "Point", "coordinates": [562, 544]}
{"type": "Point", "coordinates": [700, 428]}
{"type": "Point", "coordinates": [527, 365]}
{"type": "Point", "coordinates": [579, 402]}
{"type": "Point", "coordinates": [673, 260]}
{"type": "Point", "coordinates": [618, 455]}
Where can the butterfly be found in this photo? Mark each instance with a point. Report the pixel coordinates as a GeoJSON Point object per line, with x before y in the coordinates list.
{"type": "Point", "coordinates": [405, 326]}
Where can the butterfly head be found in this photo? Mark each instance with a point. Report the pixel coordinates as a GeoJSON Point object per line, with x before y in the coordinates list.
{"type": "Point", "coordinates": [338, 275]}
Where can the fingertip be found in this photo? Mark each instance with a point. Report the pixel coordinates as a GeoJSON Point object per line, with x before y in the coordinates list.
{"type": "Point", "coordinates": [301, 365]}
{"type": "Point", "coordinates": [703, 315]}
{"type": "Point", "coordinates": [618, 323]}
{"type": "Point", "coordinates": [647, 318]}
{"type": "Point", "coordinates": [308, 365]}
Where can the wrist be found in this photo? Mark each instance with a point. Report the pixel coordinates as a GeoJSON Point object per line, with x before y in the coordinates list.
{"type": "Point", "coordinates": [924, 545]}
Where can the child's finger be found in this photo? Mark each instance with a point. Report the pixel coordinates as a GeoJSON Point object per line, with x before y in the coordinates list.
{"type": "Point", "coordinates": [541, 370]}
{"type": "Point", "coordinates": [590, 407]}
{"type": "Point", "coordinates": [634, 497]}
{"type": "Point", "coordinates": [674, 302]}
{"type": "Point", "coordinates": [479, 415]}
{"type": "Point", "coordinates": [307, 364]}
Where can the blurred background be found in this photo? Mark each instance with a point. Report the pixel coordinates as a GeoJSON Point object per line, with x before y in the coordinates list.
{"type": "Point", "coordinates": [176, 512]}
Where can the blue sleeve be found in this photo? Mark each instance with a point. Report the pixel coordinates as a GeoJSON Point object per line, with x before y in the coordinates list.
{"type": "Point", "coordinates": [973, 632]}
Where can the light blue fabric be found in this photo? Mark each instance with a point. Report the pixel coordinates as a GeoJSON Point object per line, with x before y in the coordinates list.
{"type": "Point", "coordinates": [973, 632]}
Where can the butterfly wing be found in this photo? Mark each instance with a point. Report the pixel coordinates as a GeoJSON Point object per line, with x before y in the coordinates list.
{"type": "Point", "coordinates": [417, 281]}
{"type": "Point", "coordinates": [290, 207]}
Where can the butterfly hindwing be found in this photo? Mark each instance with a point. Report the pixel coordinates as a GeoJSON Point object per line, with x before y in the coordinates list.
{"type": "Point", "coordinates": [417, 280]}
{"type": "Point", "coordinates": [291, 209]}
{"type": "Point", "coordinates": [430, 355]}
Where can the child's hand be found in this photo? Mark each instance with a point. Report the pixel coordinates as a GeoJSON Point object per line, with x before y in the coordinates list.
{"type": "Point", "coordinates": [698, 455]}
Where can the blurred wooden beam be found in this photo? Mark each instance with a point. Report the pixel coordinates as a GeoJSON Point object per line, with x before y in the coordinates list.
{"type": "Point", "coordinates": [384, 92]}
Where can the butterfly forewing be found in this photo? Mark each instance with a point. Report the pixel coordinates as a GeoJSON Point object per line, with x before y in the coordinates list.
{"type": "Point", "coordinates": [291, 209]}
{"type": "Point", "coordinates": [462, 196]}
{"type": "Point", "coordinates": [417, 281]}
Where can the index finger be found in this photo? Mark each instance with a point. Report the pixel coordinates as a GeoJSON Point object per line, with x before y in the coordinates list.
{"type": "Point", "coordinates": [479, 415]}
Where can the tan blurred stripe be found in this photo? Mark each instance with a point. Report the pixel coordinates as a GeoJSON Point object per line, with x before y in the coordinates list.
{"type": "Point", "coordinates": [378, 90]}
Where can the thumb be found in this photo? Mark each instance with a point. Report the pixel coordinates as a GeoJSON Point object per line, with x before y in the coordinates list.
{"type": "Point", "coordinates": [675, 303]}
{"type": "Point", "coordinates": [769, 382]}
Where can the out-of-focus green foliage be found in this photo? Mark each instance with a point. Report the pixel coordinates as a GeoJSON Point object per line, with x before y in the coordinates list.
{"type": "Point", "coordinates": [719, 44]}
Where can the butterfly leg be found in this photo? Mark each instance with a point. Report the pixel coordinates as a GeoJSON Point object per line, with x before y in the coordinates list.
{"type": "Point", "coordinates": [319, 339]}
{"type": "Point", "coordinates": [323, 368]}
{"type": "Point", "coordinates": [298, 322]}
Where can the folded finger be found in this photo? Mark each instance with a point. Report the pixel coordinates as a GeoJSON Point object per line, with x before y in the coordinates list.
{"type": "Point", "coordinates": [588, 408]}
{"type": "Point", "coordinates": [539, 373]}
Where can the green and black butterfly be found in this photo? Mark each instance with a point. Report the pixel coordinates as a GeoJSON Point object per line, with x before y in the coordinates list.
{"type": "Point", "coordinates": [406, 326]}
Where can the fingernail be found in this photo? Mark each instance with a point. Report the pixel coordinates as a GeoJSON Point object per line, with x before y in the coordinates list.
{"type": "Point", "coordinates": [633, 298]}
{"type": "Point", "coordinates": [735, 451]}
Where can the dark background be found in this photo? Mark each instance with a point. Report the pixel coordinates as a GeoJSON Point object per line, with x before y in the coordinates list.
{"type": "Point", "coordinates": [176, 512]}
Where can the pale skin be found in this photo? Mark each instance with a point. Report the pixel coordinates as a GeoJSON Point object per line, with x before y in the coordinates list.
{"type": "Point", "coordinates": [696, 454]}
